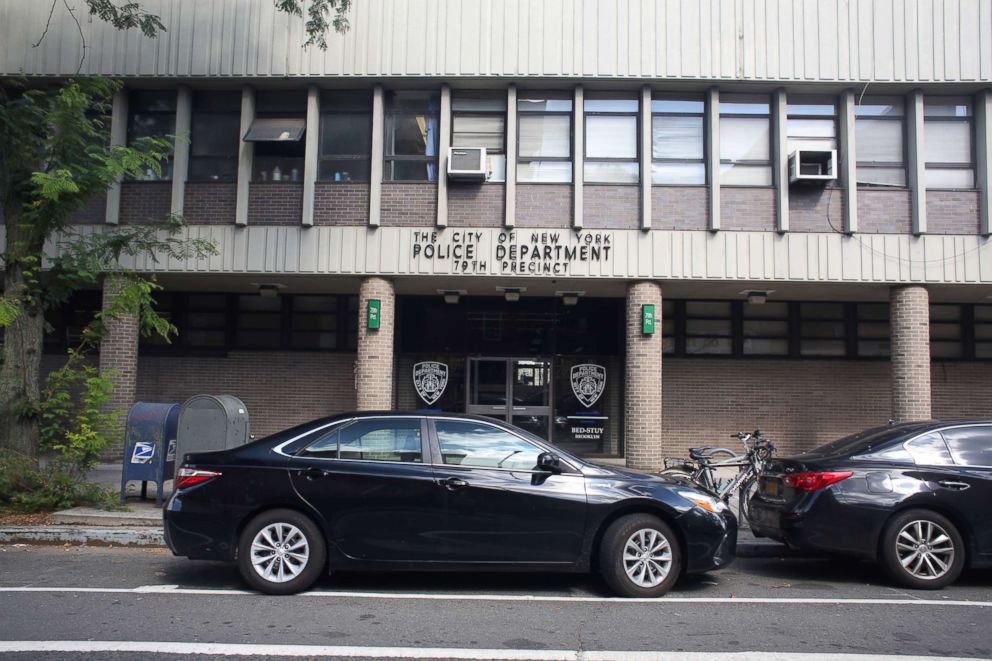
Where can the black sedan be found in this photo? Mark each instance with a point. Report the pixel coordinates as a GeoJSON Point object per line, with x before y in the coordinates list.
{"type": "Point", "coordinates": [373, 491]}
{"type": "Point", "coordinates": [915, 497]}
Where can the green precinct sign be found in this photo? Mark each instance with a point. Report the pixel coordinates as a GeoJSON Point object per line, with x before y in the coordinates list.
{"type": "Point", "coordinates": [373, 315]}
{"type": "Point", "coordinates": [647, 319]}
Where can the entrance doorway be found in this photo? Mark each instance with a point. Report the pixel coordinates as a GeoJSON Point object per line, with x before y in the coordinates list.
{"type": "Point", "coordinates": [515, 390]}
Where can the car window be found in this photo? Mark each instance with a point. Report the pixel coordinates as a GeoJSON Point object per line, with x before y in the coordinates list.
{"type": "Point", "coordinates": [325, 447]}
{"type": "Point", "coordinates": [929, 450]}
{"type": "Point", "coordinates": [381, 440]}
{"type": "Point", "coordinates": [862, 442]}
{"type": "Point", "coordinates": [970, 446]}
{"type": "Point", "coordinates": [480, 445]}
{"type": "Point", "coordinates": [892, 453]}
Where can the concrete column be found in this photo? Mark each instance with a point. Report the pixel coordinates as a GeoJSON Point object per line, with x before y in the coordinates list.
{"type": "Point", "coordinates": [444, 142]}
{"type": "Point", "coordinates": [642, 389]}
{"type": "Point", "coordinates": [119, 350]}
{"type": "Point", "coordinates": [780, 158]}
{"type": "Point", "coordinates": [712, 129]}
{"type": "Point", "coordinates": [909, 311]}
{"type": "Point", "coordinates": [310, 157]}
{"type": "Point", "coordinates": [578, 156]}
{"type": "Point", "coordinates": [916, 154]}
{"type": "Point", "coordinates": [848, 160]}
{"type": "Point", "coordinates": [181, 147]}
{"type": "Point", "coordinates": [118, 136]}
{"type": "Point", "coordinates": [374, 364]}
{"type": "Point", "coordinates": [983, 159]}
{"type": "Point", "coordinates": [378, 155]}
{"type": "Point", "coordinates": [645, 138]}
{"type": "Point", "coordinates": [246, 155]}
{"type": "Point", "coordinates": [511, 156]}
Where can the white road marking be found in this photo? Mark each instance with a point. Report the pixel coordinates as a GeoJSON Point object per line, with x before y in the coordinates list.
{"type": "Point", "coordinates": [175, 589]}
{"type": "Point", "coordinates": [234, 649]}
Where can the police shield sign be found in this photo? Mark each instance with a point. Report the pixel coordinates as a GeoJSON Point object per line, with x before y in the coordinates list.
{"type": "Point", "coordinates": [588, 382]}
{"type": "Point", "coordinates": [430, 379]}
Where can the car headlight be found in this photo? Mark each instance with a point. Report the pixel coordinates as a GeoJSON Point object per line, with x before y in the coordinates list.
{"type": "Point", "coordinates": [708, 503]}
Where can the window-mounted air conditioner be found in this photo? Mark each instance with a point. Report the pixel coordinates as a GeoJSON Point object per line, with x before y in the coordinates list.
{"type": "Point", "coordinates": [467, 163]}
{"type": "Point", "coordinates": [812, 165]}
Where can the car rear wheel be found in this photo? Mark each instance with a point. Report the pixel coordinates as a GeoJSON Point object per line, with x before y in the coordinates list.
{"type": "Point", "coordinates": [281, 552]}
{"type": "Point", "coordinates": [640, 556]}
{"type": "Point", "coordinates": [923, 550]}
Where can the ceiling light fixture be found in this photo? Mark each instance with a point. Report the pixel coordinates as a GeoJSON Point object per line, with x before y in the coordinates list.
{"type": "Point", "coordinates": [512, 294]}
{"type": "Point", "coordinates": [451, 296]}
{"type": "Point", "coordinates": [756, 296]}
{"type": "Point", "coordinates": [570, 297]}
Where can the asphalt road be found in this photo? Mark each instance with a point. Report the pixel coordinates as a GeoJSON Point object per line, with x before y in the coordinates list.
{"type": "Point", "coordinates": [784, 606]}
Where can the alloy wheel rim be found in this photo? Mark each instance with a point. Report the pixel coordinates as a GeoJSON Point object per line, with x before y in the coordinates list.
{"type": "Point", "coordinates": [279, 552]}
{"type": "Point", "coordinates": [924, 549]}
{"type": "Point", "coordinates": [647, 558]}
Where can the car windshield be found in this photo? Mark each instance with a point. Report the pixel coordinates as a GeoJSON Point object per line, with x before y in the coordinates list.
{"type": "Point", "coordinates": [859, 443]}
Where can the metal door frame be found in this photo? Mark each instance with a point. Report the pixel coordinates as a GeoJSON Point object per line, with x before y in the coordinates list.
{"type": "Point", "coordinates": [509, 410]}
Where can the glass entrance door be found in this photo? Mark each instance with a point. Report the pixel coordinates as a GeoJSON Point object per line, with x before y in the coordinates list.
{"type": "Point", "coordinates": [515, 390]}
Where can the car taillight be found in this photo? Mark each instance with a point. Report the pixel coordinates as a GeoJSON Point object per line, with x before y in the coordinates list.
{"type": "Point", "coordinates": [188, 477]}
{"type": "Point", "coordinates": [811, 481]}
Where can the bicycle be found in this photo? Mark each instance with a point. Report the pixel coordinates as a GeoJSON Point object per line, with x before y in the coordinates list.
{"type": "Point", "coordinates": [704, 463]}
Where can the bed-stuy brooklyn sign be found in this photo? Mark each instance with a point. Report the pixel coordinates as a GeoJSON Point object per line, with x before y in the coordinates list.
{"type": "Point", "coordinates": [509, 252]}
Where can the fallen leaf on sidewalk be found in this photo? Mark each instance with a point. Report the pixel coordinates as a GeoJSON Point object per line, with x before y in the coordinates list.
{"type": "Point", "coordinates": [783, 585]}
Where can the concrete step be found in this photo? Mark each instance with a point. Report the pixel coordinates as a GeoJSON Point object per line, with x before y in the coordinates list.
{"type": "Point", "coordinates": [143, 514]}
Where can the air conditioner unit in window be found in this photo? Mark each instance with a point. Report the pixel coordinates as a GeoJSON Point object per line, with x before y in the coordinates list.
{"type": "Point", "coordinates": [812, 165]}
{"type": "Point", "coordinates": [467, 163]}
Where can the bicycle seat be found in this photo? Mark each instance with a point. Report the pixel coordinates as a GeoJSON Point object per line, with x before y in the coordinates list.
{"type": "Point", "coordinates": [697, 453]}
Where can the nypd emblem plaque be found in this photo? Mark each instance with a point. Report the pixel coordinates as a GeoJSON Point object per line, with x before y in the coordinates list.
{"type": "Point", "coordinates": [588, 382]}
{"type": "Point", "coordinates": [430, 379]}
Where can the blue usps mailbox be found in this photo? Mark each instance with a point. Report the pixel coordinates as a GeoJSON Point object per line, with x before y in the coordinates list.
{"type": "Point", "coordinates": [150, 446]}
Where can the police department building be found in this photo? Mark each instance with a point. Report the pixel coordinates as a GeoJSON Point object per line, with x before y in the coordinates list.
{"type": "Point", "coordinates": [628, 226]}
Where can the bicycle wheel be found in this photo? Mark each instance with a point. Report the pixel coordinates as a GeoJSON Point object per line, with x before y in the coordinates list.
{"type": "Point", "coordinates": [677, 472]}
{"type": "Point", "coordinates": [748, 489]}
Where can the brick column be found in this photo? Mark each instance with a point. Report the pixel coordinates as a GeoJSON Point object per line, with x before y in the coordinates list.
{"type": "Point", "coordinates": [119, 355]}
{"type": "Point", "coordinates": [909, 312]}
{"type": "Point", "coordinates": [642, 391]}
{"type": "Point", "coordinates": [374, 368]}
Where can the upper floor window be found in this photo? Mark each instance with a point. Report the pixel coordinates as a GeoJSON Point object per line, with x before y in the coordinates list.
{"type": "Point", "coordinates": [345, 136]}
{"type": "Point", "coordinates": [983, 331]}
{"type": "Point", "coordinates": [948, 135]}
{"type": "Point", "coordinates": [822, 329]}
{"type": "Point", "coordinates": [544, 150]}
{"type": "Point", "coordinates": [412, 136]}
{"type": "Point", "coordinates": [277, 131]}
{"type": "Point", "coordinates": [745, 141]}
{"type": "Point", "coordinates": [215, 139]}
{"type": "Point", "coordinates": [946, 336]}
{"type": "Point", "coordinates": [812, 123]}
{"type": "Point", "coordinates": [879, 129]}
{"type": "Point", "coordinates": [478, 119]}
{"type": "Point", "coordinates": [611, 154]}
{"type": "Point", "coordinates": [677, 142]}
{"type": "Point", "coordinates": [152, 114]}
{"type": "Point", "coordinates": [708, 327]}
{"type": "Point", "coordinates": [765, 329]}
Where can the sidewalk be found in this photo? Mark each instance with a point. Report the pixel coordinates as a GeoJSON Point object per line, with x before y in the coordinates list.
{"type": "Point", "coordinates": [142, 525]}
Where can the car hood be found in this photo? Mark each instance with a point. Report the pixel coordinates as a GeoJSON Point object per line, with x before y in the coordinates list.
{"type": "Point", "coordinates": [629, 474]}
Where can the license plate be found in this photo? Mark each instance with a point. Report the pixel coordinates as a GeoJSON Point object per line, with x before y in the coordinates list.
{"type": "Point", "coordinates": [771, 488]}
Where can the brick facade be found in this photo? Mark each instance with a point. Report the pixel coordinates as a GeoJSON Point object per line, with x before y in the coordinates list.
{"type": "Point", "coordinates": [611, 207]}
{"type": "Point", "coordinates": [747, 208]}
{"type": "Point", "coordinates": [210, 203]}
{"type": "Point", "coordinates": [476, 205]}
{"type": "Point", "coordinates": [816, 209]}
{"type": "Point", "coordinates": [341, 204]}
{"type": "Point", "coordinates": [909, 319]}
{"type": "Point", "coordinates": [409, 205]}
{"type": "Point", "coordinates": [544, 205]}
{"type": "Point", "coordinates": [680, 207]}
{"type": "Point", "coordinates": [145, 202]}
{"type": "Point", "coordinates": [281, 389]}
{"type": "Point", "coordinates": [374, 364]}
{"type": "Point", "coordinates": [642, 382]}
{"type": "Point", "coordinates": [94, 213]}
{"type": "Point", "coordinates": [884, 211]}
{"type": "Point", "coordinates": [952, 212]}
{"type": "Point", "coordinates": [119, 352]}
{"type": "Point", "coordinates": [275, 203]}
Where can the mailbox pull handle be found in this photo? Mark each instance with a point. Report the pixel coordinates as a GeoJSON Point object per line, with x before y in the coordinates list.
{"type": "Point", "coordinates": [314, 474]}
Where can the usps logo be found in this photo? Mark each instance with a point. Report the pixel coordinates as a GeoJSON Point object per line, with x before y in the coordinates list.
{"type": "Point", "coordinates": [430, 378]}
{"type": "Point", "coordinates": [588, 382]}
{"type": "Point", "coordinates": [170, 453]}
{"type": "Point", "coordinates": [143, 453]}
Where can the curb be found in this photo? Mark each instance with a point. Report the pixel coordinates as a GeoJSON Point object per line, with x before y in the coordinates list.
{"type": "Point", "coordinates": [79, 536]}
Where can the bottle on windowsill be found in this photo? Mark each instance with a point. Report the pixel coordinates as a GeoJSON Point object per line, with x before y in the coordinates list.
{"type": "Point", "coordinates": [276, 174]}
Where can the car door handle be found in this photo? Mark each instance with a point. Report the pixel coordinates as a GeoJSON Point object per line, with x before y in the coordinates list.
{"type": "Point", "coordinates": [954, 486]}
{"type": "Point", "coordinates": [453, 483]}
{"type": "Point", "coordinates": [314, 474]}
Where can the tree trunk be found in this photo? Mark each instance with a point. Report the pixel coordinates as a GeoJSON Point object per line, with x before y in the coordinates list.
{"type": "Point", "coordinates": [20, 372]}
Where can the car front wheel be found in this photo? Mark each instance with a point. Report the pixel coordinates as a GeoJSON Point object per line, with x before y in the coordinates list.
{"type": "Point", "coordinates": [640, 556]}
{"type": "Point", "coordinates": [923, 550]}
{"type": "Point", "coordinates": [281, 552]}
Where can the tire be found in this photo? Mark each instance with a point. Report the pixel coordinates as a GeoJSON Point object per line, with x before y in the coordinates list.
{"type": "Point", "coordinates": [289, 556]}
{"type": "Point", "coordinates": [639, 531]}
{"type": "Point", "coordinates": [938, 534]}
{"type": "Point", "coordinates": [748, 489]}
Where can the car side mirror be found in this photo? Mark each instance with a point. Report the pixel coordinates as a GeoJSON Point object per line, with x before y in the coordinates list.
{"type": "Point", "coordinates": [548, 461]}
